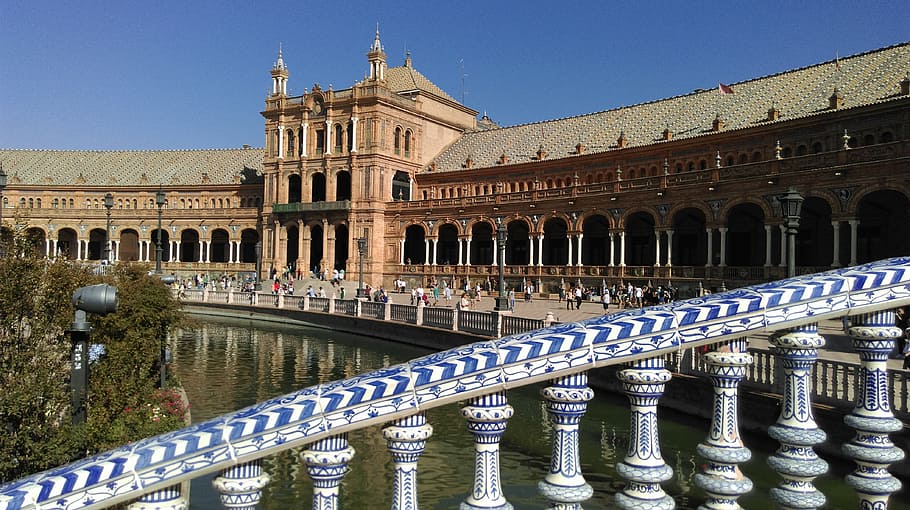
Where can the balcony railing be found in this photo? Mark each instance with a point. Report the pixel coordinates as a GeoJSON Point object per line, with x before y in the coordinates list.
{"type": "Point", "coordinates": [294, 207]}
{"type": "Point", "coordinates": [480, 374]}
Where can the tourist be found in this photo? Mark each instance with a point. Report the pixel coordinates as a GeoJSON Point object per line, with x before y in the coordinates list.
{"type": "Point", "coordinates": [511, 299]}
{"type": "Point", "coordinates": [605, 299]}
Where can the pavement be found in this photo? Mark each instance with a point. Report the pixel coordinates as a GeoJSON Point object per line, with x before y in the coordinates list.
{"type": "Point", "coordinates": [838, 346]}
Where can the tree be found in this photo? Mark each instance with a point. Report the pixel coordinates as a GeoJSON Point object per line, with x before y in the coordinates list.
{"type": "Point", "coordinates": [124, 401]}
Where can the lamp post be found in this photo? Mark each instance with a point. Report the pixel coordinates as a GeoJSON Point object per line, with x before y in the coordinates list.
{"type": "Point", "coordinates": [108, 204]}
{"type": "Point", "coordinates": [159, 201]}
{"type": "Point", "coordinates": [361, 249]}
{"type": "Point", "coordinates": [792, 203]}
{"type": "Point", "coordinates": [100, 299]}
{"type": "Point", "coordinates": [2, 187]}
{"type": "Point", "coordinates": [502, 237]}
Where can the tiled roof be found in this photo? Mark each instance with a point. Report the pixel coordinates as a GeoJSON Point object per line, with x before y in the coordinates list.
{"type": "Point", "coordinates": [404, 78]}
{"type": "Point", "coordinates": [132, 168]}
{"type": "Point", "coordinates": [863, 79]}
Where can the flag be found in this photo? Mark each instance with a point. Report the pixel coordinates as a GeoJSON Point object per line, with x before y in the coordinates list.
{"type": "Point", "coordinates": [724, 89]}
{"type": "Point", "coordinates": [836, 61]}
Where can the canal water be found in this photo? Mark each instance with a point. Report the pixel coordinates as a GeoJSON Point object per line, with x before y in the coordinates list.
{"type": "Point", "coordinates": [226, 365]}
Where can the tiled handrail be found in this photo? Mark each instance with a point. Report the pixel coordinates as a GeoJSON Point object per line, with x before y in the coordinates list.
{"type": "Point", "coordinates": [480, 373]}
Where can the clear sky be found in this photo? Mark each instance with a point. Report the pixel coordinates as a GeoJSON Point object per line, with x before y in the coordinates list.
{"type": "Point", "coordinates": [193, 74]}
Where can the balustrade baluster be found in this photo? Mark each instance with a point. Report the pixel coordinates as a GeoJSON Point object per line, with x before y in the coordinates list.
{"type": "Point", "coordinates": [873, 337]}
{"type": "Point", "coordinates": [168, 498]}
{"type": "Point", "coordinates": [722, 479]}
{"type": "Point", "coordinates": [566, 401]}
{"type": "Point", "coordinates": [327, 463]}
{"type": "Point", "coordinates": [406, 439]}
{"type": "Point", "coordinates": [643, 467]}
{"type": "Point", "coordinates": [795, 429]}
{"type": "Point", "coordinates": [241, 486]}
{"type": "Point", "coordinates": [487, 416]}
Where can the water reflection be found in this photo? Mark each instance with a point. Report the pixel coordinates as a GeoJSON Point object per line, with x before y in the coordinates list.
{"type": "Point", "coordinates": [226, 365]}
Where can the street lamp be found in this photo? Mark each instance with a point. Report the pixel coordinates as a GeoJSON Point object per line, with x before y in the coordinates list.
{"type": "Point", "coordinates": [361, 249]}
{"type": "Point", "coordinates": [792, 203]}
{"type": "Point", "coordinates": [159, 201]}
{"type": "Point", "coordinates": [108, 204]}
{"type": "Point", "coordinates": [502, 237]}
{"type": "Point", "coordinates": [100, 299]}
{"type": "Point", "coordinates": [2, 187]}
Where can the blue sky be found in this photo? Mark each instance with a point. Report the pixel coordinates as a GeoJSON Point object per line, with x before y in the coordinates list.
{"type": "Point", "coordinates": [194, 74]}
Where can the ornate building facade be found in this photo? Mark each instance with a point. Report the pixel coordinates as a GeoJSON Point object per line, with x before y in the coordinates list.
{"type": "Point", "coordinates": [685, 189]}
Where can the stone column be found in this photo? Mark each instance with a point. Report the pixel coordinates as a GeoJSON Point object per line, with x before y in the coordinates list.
{"type": "Point", "coordinates": [426, 251]}
{"type": "Point", "coordinates": [304, 128]}
{"type": "Point", "coordinates": [327, 463]}
{"type": "Point", "coordinates": [669, 247]}
{"type": "Point", "coordinates": [435, 254]}
{"type": "Point", "coordinates": [767, 245]}
{"type": "Point", "coordinates": [643, 468]}
{"type": "Point", "coordinates": [854, 225]}
{"type": "Point", "coordinates": [280, 141]}
{"type": "Point", "coordinates": [401, 251]}
{"type": "Point", "coordinates": [723, 246]}
{"type": "Point", "coordinates": [487, 416]}
{"type": "Point", "coordinates": [530, 251]}
{"type": "Point", "coordinates": [168, 498]}
{"type": "Point", "coordinates": [783, 247]}
{"type": "Point", "coordinates": [566, 400]}
{"type": "Point", "coordinates": [328, 137]}
{"type": "Point", "coordinates": [874, 336]}
{"type": "Point", "coordinates": [795, 429]}
{"type": "Point", "coordinates": [241, 486]}
{"type": "Point", "coordinates": [569, 262]}
{"type": "Point", "coordinates": [611, 249]}
{"type": "Point", "coordinates": [580, 241]}
{"type": "Point", "coordinates": [835, 259]}
{"type": "Point", "coordinates": [723, 449]}
{"type": "Point", "coordinates": [353, 134]}
{"type": "Point", "coordinates": [468, 250]}
{"type": "Point", "coordinates": [540, 250]}
{"type": "Point", "coordinates": [710, 259]}
{"type": "Point", "coordinates": [406, 439]}
{"type": "Point", "coordinates": [656, 248]}
{"type": "Point", "coordinates": [622, 248]}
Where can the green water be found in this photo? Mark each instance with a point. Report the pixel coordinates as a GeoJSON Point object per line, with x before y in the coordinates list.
{"type": "Point", "coordinates": [227, 365]}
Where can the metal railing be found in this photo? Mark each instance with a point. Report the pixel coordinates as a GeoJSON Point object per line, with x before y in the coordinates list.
{"type": "Point", "coordinates": [643, 340]}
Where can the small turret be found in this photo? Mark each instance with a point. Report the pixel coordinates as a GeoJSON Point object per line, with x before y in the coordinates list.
{"type": "Point", "coordinates": [279, 76]}
{"type": "Point", "coordinates": [376, 58]}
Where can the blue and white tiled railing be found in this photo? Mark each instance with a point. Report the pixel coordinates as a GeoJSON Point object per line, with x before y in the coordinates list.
{"type": "Point", "coordinates": [150, 472]}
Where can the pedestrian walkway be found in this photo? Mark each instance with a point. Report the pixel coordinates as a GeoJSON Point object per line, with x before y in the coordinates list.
{"type": "Point", "coordinates": [838, 346]}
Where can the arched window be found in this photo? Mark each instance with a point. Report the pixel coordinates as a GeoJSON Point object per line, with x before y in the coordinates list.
{"type": "Point", "coordinates": [816, 147]}
{"type": "Point", "coordinates": [151, 203]}
{"type": "Point", "coordinates": [702, 165]}
{"type": "Point", "coordinates": [71, 203]}
{"type": "Point", "coordinates": [691, 166]}
{"type": "Point", "coordinates": [54, 203]}
{"type": "Point", "coordinates": [227, 203]}
{"type": "Point", "coordinates": [38, 203]}
{"type": "Point", "coordinates": [397, 140]}
{"type": "Point", "coordinates": [730, 161]}
{"type": "Point", "coordinates": [291, 142]}
{"type": "Point", "coordinates": [869, 140]}
{"type": "Point", "coordinates": [339, 138]}
{"type": "Point", "coordinates": [886, 137]}
{"type": "Point", "coordinates": [743, 159]}
{"type": "Point", "coordinates": [787, 152]}
{"type": "Point", "coordinates": [22, 203]}
{"type": "Point", "coordinates": [182, 203]}
{"type": "Point", "coordinates": [679, 168]}
{"type": "Point", "coordinates": [801, 150]}
{"type": "Point", "coordinates": [407, 143]}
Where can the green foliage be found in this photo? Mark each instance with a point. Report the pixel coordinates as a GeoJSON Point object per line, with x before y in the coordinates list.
{"type": "Point", "coordinates": [124, 401]}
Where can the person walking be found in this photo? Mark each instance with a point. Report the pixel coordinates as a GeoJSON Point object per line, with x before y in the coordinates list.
{"type": "Point", "coordinates": [605, 299]}
{"type": "Point", "coordinates": [511, 299]}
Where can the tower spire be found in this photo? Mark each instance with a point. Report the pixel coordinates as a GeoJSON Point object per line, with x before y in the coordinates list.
{"type": "Point", "coordinates": [279, 76]}
{"type": "Point", "coordinates": [376, 58]}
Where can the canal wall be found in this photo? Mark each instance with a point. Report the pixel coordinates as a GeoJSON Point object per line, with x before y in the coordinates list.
{"type": "Point", "coordinates": [686, 394]}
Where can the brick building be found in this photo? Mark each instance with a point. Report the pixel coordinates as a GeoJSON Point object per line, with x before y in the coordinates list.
{"type": "Point", "coordinates": [685, 189]}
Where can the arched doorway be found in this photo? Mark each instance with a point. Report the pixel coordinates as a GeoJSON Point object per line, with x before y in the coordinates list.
{"type": "Point", "coordinates": [341, 247]}
{"type": "Point", "coordinates": [249, 238]}
{"type": "Point", "coordinates": [555, 242]}
{"type": "Point", "coordinates": [884, 226]}
{"type": "Point", "coordinates": [343, 185]}
{"type": "Point", "coordinates": [189, 246]}
{"type": "Point", "coordinates": [67, 243]}
{"type": "Point", "coordinates": [690, 238]}
{"type": "Point", "coordinates": [640, 241]}
{"type": "Point", "coordinates": [447, 245]}
{"type": "Point", "coordinates": [415, 245]}
{"type": "Point", "coordinates": [128, 249]}
{"type": "Point", "coordinates": [518, 245]}
{"type": "Point", "coordinates": [316, 249]}
{"type": "Point", "coordinates": [165, 245]}
{"type": "Point", "coordinates": [482, 244]}
{"type": "Point", "coordinates": [295, 189]}
{"type": "Point", "coordinates": [318, 187]}
{"type": "Point", "coordinates": [220, 246]}
{"type": "Point", "coordinates": [596, 241]}
{"type": "Point", "coordinates": [745, 236]}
